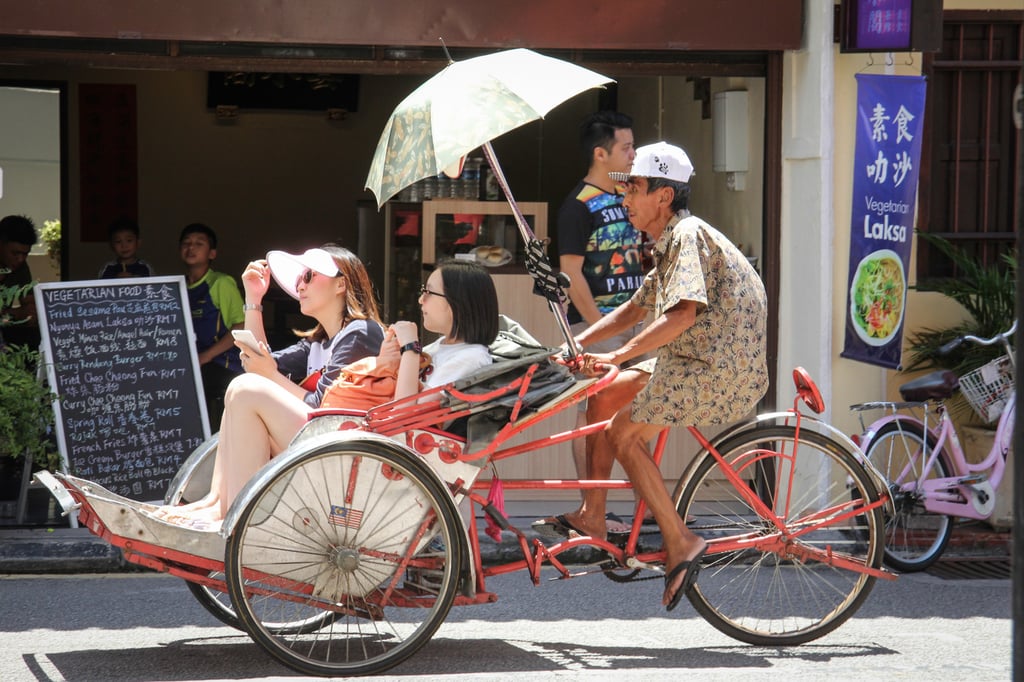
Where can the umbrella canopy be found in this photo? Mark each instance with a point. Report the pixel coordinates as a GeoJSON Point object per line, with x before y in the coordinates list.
{"type": "Point", "coordinates": [466, 105]}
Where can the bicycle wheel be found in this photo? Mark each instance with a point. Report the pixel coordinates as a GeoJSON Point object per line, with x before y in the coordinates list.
{"type": "Point", "coordinates": [216, 602]}
{"type": "Point", "coordinates": [328, 534]}
{"type": "Point", "coordinates": [914, 537]}
{"type": "Point", "coordinates": [766, 586]}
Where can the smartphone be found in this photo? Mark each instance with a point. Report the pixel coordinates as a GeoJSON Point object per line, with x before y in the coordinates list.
{"type": "Point", "coordinates": [247, 339]}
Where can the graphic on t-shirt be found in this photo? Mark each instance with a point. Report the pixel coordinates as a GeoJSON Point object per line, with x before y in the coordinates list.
{"type": "Point", "coordinates": [613, 263]}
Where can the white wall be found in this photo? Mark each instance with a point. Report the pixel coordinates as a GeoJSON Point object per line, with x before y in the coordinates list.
{"type": "Point", "coordinates": [30, 161]}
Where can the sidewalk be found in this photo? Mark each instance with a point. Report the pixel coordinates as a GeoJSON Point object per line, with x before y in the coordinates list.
{"type": "Point", "coordinates": [75, 550]}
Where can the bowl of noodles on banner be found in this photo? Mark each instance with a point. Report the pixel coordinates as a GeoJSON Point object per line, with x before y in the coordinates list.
{"type": "Point", "coordinates": [877, 297]}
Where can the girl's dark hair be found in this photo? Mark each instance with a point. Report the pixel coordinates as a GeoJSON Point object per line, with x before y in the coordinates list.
{"type": "Point", "coordinates": [360, 302]}
{"type": "Point", "coordinates": [470, 293]}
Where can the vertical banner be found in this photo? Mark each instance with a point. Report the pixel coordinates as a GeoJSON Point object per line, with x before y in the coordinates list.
{"type": "Point", "coordinates": [890, 116]}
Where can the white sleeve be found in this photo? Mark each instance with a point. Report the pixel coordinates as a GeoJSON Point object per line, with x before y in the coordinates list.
{"type": "Point", "coordinates": [454, 366]}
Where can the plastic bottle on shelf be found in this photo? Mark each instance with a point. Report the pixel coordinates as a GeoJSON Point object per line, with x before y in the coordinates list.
{"type": "Point", "coordinates": [429, 188]}
{"type": "Point", "coordinates": [416, 192]}
{"type": "Point", "coordinates": [444, 186]}
{"type": "Point", "coordinates": [471, 179]}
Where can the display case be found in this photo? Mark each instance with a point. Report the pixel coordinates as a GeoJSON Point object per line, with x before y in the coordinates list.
{"type": "Point", "coordinates": [402, 242]}
{"type": "Point", "coordinates": [481, 230]}
{"type": "Point", "coordinates": [485, 229]}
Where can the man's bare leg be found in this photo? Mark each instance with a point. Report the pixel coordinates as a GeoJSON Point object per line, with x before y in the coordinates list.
{"type": "Point", "coordinates": [618, 395]}
{"type": "Point", "coordinates": [629, 440]}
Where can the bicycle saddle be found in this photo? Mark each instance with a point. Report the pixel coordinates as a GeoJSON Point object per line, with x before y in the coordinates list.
{"type": "Point", "coordinates": [935, 386]}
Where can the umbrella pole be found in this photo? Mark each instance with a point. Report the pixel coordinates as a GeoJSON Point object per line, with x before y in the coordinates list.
{"type": "Point", "coordinates": [572, 349]}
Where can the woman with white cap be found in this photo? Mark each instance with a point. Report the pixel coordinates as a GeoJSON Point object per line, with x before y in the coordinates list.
{"type": "Point", "coordinates": [261, 418]}
{"type": "Point", "coordinates": [333, 287]}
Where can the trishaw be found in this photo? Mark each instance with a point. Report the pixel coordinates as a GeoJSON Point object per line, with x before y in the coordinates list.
{"type": "Point", "coordinates": [344, 554]}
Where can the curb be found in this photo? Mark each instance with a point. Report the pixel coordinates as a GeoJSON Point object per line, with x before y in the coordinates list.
{"type": "Point", "coordinates": [76, 550]}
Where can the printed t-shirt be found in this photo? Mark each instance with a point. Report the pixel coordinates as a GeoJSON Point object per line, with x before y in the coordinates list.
{"type": "Point", "coordinates": [593, 223]}
{"type": "Point", "coordinates": [216, 306]}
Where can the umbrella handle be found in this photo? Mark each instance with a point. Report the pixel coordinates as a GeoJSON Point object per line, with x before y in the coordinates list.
{"type": "Point", "coordinates": [529, 238]}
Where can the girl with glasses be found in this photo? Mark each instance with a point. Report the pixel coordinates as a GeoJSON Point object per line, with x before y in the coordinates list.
{"type": "Point", "coordinates": [261, 418]}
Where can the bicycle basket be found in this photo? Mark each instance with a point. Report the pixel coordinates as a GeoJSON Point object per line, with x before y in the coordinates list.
{"type": "Point", "coordinates": [987, 388]}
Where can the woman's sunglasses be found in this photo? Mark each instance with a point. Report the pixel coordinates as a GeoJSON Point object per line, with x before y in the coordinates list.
{"type": "Point", "coordinates": [307, 276]}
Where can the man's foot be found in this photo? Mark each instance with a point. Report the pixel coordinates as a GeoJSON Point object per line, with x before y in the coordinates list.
{"type": "Point", "coordinates": [682, 577]}
{"type": "Point", "coordinates": [570, 525]}
{"type": "Point", "coordinates": [193, 521]}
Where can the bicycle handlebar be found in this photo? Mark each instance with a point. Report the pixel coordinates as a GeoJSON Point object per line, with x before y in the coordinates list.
{"type": "Point", "coordinates": [948, 348]}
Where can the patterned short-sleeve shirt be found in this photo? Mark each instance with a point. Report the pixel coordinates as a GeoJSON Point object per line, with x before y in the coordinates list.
{"type": "Point", "coordinates": [716, 371]}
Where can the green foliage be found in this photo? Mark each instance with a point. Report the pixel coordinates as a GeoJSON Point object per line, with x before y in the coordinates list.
{"type": "Point", "coordinates": [50, 236]}
{"type": "Point", "coordinates": [26, 417]}
{"type": "Point", "coordinates": [8, 295]}
{"type": "Point", "coordinates": [27, 414]}
{"type": "Point", "coordinates": [987, 292]}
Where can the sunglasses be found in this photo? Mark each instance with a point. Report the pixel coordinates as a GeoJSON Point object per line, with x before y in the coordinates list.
{"type": "Point", "coordinates": [307, 276]}
{"type": "Point", "coordinates": [424, 291]}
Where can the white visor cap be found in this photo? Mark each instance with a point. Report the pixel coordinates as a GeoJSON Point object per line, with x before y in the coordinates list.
{"type": "Point", "coordinates": [288, 267]}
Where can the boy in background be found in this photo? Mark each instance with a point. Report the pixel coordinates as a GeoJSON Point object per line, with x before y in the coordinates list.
{"type": "Point", "coordinates": [216, 305]}
{"type": "Point", "coordinates": [125, 242]}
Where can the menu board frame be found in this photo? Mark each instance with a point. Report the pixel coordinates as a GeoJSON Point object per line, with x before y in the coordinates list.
{"type": "Point", "coordinates": [153, 348]}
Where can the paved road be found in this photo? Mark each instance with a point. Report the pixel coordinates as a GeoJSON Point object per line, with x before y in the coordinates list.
{"type": "Point", "coordinates": [146, 627]}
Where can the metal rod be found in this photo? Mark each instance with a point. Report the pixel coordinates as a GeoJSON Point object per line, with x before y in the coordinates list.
{"type": "Point", "coordinates": [572, 349]}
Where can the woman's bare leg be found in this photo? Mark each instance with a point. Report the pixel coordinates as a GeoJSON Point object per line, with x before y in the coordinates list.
{"type": "Point", "coordinates": [260, 419]}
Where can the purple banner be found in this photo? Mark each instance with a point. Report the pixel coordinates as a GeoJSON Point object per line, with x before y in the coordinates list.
{"type": "Point", "coordinates": [890, 116]}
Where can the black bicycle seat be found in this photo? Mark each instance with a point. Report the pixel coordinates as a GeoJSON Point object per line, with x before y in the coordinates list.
{"type": "Point", "coordinates": [935, 386]}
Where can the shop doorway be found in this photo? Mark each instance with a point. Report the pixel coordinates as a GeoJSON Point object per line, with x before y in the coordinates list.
{"type": "Point", "coordinates": [31, 156]}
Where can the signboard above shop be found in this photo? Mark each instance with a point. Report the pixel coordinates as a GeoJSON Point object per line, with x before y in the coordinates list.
{"type": "Point", "coordinates": [890, 25]}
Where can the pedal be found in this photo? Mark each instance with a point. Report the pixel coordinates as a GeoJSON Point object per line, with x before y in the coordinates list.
{"type": "Point", "coordinates": [633, 562]}
{"type": "Point", "coordinates": [972, 480]}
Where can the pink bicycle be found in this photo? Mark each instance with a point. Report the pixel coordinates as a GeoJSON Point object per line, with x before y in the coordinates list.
{"type": "Point", "coordinates": [928, 477]}
{"type": "Point", "coordinates": [344, 554]}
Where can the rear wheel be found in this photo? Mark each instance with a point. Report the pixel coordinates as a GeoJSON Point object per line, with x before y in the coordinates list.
{"type": "Point", "coordinates": [771, 586]}
{"type": "Point", "coordinates": [357, 531]}
{"type": "Point", "coordinates": [914, 537]}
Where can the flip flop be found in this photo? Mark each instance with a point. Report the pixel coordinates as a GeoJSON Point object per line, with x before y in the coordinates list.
{"type": "Point", "coordinates": [692, 568]}
{"type": "Point", "coordinates": [558, 525]}
{"type": "Point", "coordinates": [615, 518]}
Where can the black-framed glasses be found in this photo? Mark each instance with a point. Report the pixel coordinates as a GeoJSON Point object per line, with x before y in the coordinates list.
{"type": "Point", "coordinates": [424, 291]}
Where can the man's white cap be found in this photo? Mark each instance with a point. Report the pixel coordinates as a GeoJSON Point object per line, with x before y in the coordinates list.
{"type": "Point", "coordinates": [658, 160]}
{"type": "Point", "coordinates": [286, 267]}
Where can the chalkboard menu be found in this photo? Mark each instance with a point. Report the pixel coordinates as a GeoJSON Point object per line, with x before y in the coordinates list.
{"type": "Point", "coordinates": [121, 358]}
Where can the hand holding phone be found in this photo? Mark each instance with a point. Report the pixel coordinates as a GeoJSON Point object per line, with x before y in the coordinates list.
{"type": "Point", "coordinates": [247, 339]}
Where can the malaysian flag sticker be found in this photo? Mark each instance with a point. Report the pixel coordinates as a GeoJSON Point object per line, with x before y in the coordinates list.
{"type": "Point", "coordinates": [345, 516]}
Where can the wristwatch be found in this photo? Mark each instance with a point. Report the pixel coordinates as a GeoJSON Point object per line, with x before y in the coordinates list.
{"type": "Point", "coordinates": [412, 346]}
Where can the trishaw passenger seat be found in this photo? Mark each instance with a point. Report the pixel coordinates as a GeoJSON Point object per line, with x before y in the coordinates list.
{"type": "Point", "coordinates": [513, 351]}
{"type": "Point", "coordinates": [489, 415]}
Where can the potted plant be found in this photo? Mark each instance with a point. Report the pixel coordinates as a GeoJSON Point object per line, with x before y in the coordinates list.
{"type": "Point", "coordinates": [26, 419]}
{"type": "Point", "coordinates": [50, 236]}
{"type": "Point", "coordinates": [988, 294]}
